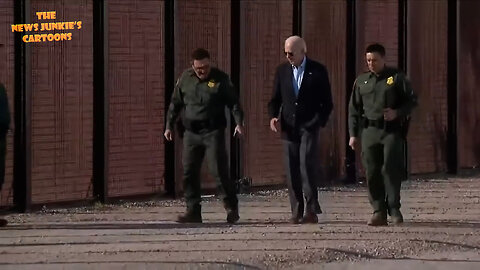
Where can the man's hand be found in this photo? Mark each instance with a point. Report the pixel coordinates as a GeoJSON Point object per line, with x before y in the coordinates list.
{"type": "Point", "coordinates": [168, 135]}
{"type": "Point", "coordinates": [238, 130]}
{"type": "Point", "coordinates": [353, 142]}
{"type": "Point", "coordinates": [274, 124]}
{"type": "Point", "coordinates": [389, 114]}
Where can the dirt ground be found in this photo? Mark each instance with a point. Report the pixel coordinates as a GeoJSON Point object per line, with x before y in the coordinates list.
{"type": "Point", "coordinates": [441, 231]}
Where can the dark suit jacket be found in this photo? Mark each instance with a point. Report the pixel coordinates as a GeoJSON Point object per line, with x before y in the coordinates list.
{"type": "Point", "coordinates": [311, 109]}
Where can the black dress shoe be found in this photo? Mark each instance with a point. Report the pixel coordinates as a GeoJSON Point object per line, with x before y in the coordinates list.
{"type": "Point", "coordinates": [190, 217]}
{"type": "Point", "coordinates": [232, 216]}
{"type": "Point", "coordinates": [310, 218]}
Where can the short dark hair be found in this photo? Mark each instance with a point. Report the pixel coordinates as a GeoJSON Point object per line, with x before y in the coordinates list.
{"type": "Point", "coordinates": [376, 47]}
{"type": "Point", "coordinates": [200, 53]}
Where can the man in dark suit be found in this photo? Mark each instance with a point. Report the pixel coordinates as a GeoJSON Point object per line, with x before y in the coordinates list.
{"type": "Point", "coordinates": [302, 102]}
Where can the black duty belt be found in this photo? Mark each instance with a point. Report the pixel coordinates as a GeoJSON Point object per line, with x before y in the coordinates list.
{"type": "Point", "coordinates": [388, 126]}
{"type": "Point", "coordinates": [378, 123]}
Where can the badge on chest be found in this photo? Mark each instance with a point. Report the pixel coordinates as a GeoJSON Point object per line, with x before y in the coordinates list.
{"type": "Point", "coordinates": [211, 84]}
{"type": "Point", "coordinates": [390, 80]}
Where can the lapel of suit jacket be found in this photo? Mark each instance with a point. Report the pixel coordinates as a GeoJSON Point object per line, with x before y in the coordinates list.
{"type": "Point", "coordinates": [306, 74]}
{"type": "Point", "coordinates": [289, 76]}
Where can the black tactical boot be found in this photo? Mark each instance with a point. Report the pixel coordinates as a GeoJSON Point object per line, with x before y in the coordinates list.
{"type": "Point", "coordinates": [3, 222]}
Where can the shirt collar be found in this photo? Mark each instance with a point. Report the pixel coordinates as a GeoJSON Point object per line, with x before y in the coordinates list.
{"type": "Point", "coordinates": [382, 73]}
{"type": "Point", "coordinates": [302, 65]}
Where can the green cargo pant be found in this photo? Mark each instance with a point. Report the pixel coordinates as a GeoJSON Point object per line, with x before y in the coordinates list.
{"type": "Point", "coordinates": [382, 155]}
{"type": "Point", "coordinates": [195, 145]}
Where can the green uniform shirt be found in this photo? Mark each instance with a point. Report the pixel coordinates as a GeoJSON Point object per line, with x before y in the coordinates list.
{"type": "Point", "coordinates": [204, 100]}
{"type": "Point", "coordinates": [372, 94]}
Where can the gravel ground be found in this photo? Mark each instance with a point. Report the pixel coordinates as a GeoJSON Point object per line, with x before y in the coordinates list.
{"type": "Point", "coordinates": [442, 222]}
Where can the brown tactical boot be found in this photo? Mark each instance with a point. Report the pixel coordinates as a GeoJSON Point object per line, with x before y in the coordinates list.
{"type": "Point", "coordinates": [397, 217]}
{"type": "Point", "coordinates": [193, 215]}
{"type": "Point", "coordinates": [295, 220]}
{"type": "Point", "coordinates": [378, 219]}
{"type": "Point", "coordinates": [310, 217]}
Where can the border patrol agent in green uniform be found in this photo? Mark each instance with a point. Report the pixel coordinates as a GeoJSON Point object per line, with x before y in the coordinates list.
{"type": "Point", "coordinates": [380, 103]}
{"type": "Point", "coordinates": [203, 92]}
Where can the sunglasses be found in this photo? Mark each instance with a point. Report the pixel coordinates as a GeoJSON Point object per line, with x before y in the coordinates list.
{"type": "Point", "coordinates": [288, 53]}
